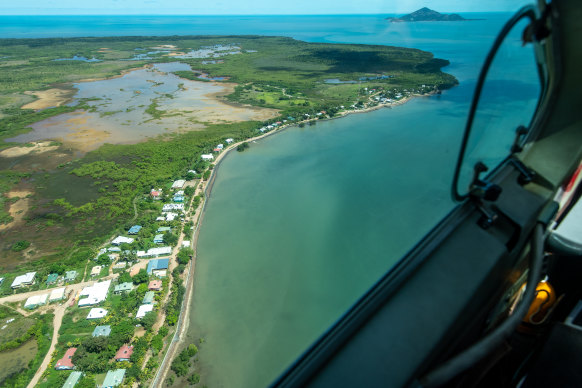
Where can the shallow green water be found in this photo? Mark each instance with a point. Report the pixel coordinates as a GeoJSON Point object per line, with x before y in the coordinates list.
{"type": "Point", "coordinates": [299, 226]}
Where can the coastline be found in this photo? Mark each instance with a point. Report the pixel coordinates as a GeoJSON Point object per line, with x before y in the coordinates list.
{"type": "Point", "coordinates": [206, 187]}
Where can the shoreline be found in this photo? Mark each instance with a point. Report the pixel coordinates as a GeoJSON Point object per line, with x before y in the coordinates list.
{"type": "Point", "coordinates": [206, 187]}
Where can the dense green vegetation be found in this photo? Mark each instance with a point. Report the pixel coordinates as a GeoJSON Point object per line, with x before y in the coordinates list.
{"type": "Point", "coordinates": [42, 333]}
{"type": "Point", "coordinates": [274, 72]}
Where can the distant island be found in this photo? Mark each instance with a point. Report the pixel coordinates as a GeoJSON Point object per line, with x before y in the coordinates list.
{"type": "Point", "coordinates": [428, 15]}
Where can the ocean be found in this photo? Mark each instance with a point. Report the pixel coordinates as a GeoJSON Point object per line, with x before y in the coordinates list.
{"type": "Point", "coordinates": [304, 222]}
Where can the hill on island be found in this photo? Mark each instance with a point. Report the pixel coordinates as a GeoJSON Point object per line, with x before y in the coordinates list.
{"type": "Point", "coordinates": [428, 15]}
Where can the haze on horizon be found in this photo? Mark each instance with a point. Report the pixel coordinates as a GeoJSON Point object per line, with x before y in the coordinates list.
{"type": "Point", "coordinates": [257, 7]}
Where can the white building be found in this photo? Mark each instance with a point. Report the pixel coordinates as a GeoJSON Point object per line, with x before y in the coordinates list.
{"type": "Point", "coordinates": [170, 216]}
{"type": "Point", "coordinates": [178, 184]}
{"type": "Point", "coordinates": [24, 280]}
{"type": "Point", "coordinates": [57, 294]}
{"type": "Point", "coordinates": [186, 243]}
{"type": "Point", "coordinates": [173, 206]}
{"type": "Point", "coordinates": [154, 252]}
{"type": "Point", "coordinates": [96, 293]}
{"type": "Point", "coordinates": [121, 239]}
{"type": "Point", "coordinates": [220, 146]}
{"type": "Point", "coordinates": [35, 301]}
{"type": "Point", "coordinates": [143, 310]}
{"type": "Point", "coordinates": [96, 270]}
{"type": "Point", "coordinates": [207, 157]}
{"type": "Point", "coordinates": [97, 313]}
{"type": "Point", "coordinates": [229, 140]}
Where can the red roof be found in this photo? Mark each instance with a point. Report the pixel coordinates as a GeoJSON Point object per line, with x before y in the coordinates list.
{"type": "Point", "coordinates": [155, 285]}
{"type": "Point", "coordinates": [65, 362]}
{"type": "Point", "coordinates": [124, 352]}
{"type": "Point", "coordinates": [155, 193]}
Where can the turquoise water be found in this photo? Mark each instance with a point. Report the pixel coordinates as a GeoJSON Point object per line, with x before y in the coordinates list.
{"type": "Point", "coordinates": [304, 222]}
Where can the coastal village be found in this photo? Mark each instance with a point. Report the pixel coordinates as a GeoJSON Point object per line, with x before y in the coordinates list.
{"type": "Point", "coordinates": [117, 320]}
{"type": "Point", "coordinates": [129, 300]}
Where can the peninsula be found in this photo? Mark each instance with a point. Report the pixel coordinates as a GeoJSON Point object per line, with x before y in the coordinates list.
{"type": "Point", "coordinates": [428, 15]}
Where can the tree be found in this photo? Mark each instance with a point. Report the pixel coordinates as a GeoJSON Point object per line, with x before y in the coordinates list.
{"type": "Point", "coordinates": [170, 238]}
{"type": "Point", "coordinates": [149, 319]}
{"type": "Point", "coordinates": [125, 277]}
{"type": "Point", "coordinates": [194, 378]}
{"type": "Point", "coordinates": [206, 175]}
{"type": "Point", "coordinates": [87, 382]}
{"type": "Point", "coordinates": [141, 277]}
{"type": "Point", "coordinates": [20, 245]}
{"type": "Point", "coordinates": [103, 259]}
{"type": "Point", "coordinates": [189, 190]}
{"type": "Point", "coordinates": [185, 255]}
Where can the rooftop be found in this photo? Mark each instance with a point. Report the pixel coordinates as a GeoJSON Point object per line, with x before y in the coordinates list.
{"type": "Point", "coordinates": [70, 275]}
{"type": "Point", "coordinates": [157, 264]}
{"type": "Point", "coordinates": [155, 284]}
{"type": "Point", "coordinates": [73, 379]}
{"type": "Point", "coordinates": [104, 331]}
{"type": "Point", "coordinates": [134, 229]}
{"type": "Point", "coordinates": [143, 310]}
{"type": "Point", "coordinates": [95, 294]}
{"type": "Point", "coordinates": [52, 278]}
{"type": "Point", "coordinates": [124, 352]}
{"type": "Point", "coordinates": [65, 362]}
{"type": "Point", "coordinates": [27, 278]}
{"type": "Point", "coordinates": [113, 378]}
{"type": "Point", "coordinates": [127, 286]}
{"type": "Point", "coordinates": [148, 297]}
{"type": "Point", "coordinates": [96, 313]}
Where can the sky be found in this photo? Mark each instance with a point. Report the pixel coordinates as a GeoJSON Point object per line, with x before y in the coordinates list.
{"type": "Point", "coordinates": [246, 7]}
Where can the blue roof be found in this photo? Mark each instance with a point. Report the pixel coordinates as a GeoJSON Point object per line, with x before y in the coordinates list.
{"type": "Point", "coordinates": [157, 264]}
{"type": "Point", "coordinates": [134, 229]}
{"type": "Point", "coordinates": [102, 331]}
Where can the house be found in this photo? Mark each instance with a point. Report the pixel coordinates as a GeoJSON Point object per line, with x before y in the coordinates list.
{"type": "Point", "coordinates": [73, 379]}
{"type": "Point", "coordinates": [179, 192]}
{"type": "Point", "coordinates": [161, 219]}
{"type": "Point", "coordinates": [155, 285]}
{"type": "Point", "coordinates": [52, 278]}
{"type": "Point", "coordinates": [170, 216]}
{"type": "Point", "coordinates": [164, 229]}
{"type": "Point", "coordinates": [65, 363]}
{"type": "Point", "coordinates": [102, 331]}
{"type": "Point", "coordinates": [123, 287]}
{"type": "Point", "coordinates": [172, 206]}
{"type": "Point", "coordinates": [229, 140]}
{"type": "Point", "coordinates": [96, 293]}
{"type": "Point", "coordinates": [113, 249]}
{"type": "Point", "coordinates": [121, 239]}
{"type": "Point", "coordinates": [35, 301]}
{"type": "Point", "coordinates": [1, 281]}
{"type": "Point", "coordinates": [134, 229]}
{"type": "Point", "coordinates": [192, 172]}
{"type": "Point", "coordinates": [178, 198]}
{"type": "Point", "coordinates": [159, 239]}
{"type": "Point", "coordinates": [154, 252]}
{"type": "Point", "coordinates": [148, 298]}
{"type": "Point", "coordinates": [96, 270]}
{"type": "Point", "coordinates": [70, 276]}
{"type": "Point", "coordinates": [178, 184]}
{"type": "Point", "coordinates": [97, 313]}
{"type": "Point", "coordinates": [185, 243]}
{"type": "Point", "coordinates": [156, 194]}
{"type": "Point", "coordinates": [217, 150]}
{"type": "Point", "coordinates": [158, 267]}
{"type": "Point", "coordinates": [57, 294]}
{"type": "Point", "coordinates": [24, 280]}
{"type": "Point", "coordinates": [124, 353]}
{"type": "Point", "coordinates": [113, 378]}
{"type": "Point", "coordinates": [220, 146]}
{"type": "Point", "coordinates": [207, 157]}
{"type": "Point", "coordinates": [120, 265]}
{"type": "Point", "coordinates": [143, 310]}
